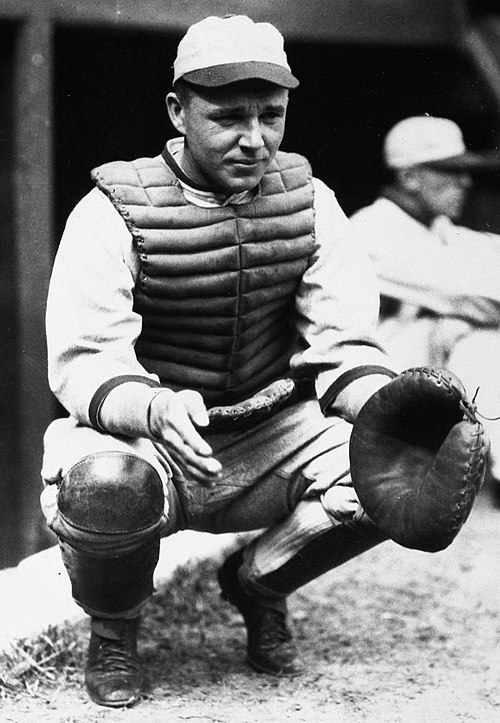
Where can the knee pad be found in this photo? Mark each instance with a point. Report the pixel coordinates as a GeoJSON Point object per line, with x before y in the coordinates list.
{"type": "Point", "coordinates": [110, 493]}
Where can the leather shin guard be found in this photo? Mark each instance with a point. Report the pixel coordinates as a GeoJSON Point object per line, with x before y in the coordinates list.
{"type": "Point", "coordinates": [112, 587]}
{"type": "Point", "coordinates": [327, 551]}
{"type": "Point", "coordinates": [110, 512]}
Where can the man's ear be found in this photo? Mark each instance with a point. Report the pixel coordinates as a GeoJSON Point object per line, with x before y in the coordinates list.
{"type": "Point", "coordinates": [176, 113]}
{"type": "Point", "coordinates": [409, 179]}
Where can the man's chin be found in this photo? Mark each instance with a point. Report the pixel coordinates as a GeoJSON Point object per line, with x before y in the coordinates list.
{"type": "Point", "coordinates": [456, 214]}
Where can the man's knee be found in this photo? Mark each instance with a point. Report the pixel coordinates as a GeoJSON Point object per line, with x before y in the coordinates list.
{"type": "Point", "coordinates": [111, 493]}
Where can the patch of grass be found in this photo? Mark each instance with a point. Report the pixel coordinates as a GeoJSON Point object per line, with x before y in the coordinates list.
{"type": "Point", "coordinates": [191, 596]}
{"type": "Point", "coordinates": [178, 613]}
{"type": "Point", "coordinates": [51, 660]}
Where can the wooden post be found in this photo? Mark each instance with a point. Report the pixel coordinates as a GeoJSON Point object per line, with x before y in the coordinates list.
{"type": "Point", "coordinates": [33, 211]}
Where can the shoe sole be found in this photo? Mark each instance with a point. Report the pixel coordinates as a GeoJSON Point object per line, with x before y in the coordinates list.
{"type": "Point", "coordinates": [116, 704]}
{"type": "Point", "coordinates": [276, 673]}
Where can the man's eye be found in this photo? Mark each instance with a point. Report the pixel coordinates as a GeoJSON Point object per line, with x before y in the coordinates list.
{"type": "Point", "coordinates": [229, 118]}
{"type": "Point", "coordinates": [271, 117]}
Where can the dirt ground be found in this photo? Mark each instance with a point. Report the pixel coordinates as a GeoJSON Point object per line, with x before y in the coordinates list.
{"type": "Point", "coordinates": [393, 636]}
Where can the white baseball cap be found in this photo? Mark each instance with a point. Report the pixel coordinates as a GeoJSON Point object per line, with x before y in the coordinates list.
{"type": "Point", "coordinates": [217, 51]}
{"type": "Point", "coordinates": [436, 142]}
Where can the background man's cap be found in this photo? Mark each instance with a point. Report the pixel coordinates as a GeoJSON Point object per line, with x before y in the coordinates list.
{"type": "Point", "coordinates": [433, 142]}
{"type": "Point", "coordinates": [217, 51]}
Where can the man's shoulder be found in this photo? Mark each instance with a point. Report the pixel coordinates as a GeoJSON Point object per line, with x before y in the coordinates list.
{"type": "Point", "coordinates": [380, 207]}
{"type": "Point", "coordinates": [142, 171]}
{"type": "Point", "coordinates": [385, 216]}
{"type": "Point", "coordinates": [288, 171]}
{"type": "Point", "coordinates": [287, 160]}
{"type": "Point", "coordinates": [138, 183]}
{"type": "Point", "coordinates": [384, 227]}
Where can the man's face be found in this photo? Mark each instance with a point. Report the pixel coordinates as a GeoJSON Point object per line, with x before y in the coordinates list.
{"type": "Point", "coordinates": [442, 192]}
{"type": "Point", "coordinates": [232, 133]}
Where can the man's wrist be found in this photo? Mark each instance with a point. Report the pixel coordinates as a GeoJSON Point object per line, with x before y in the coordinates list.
{"type": "Point", "coordinates": [151, 420]}
{"type": "Point", "coordinates": [124, 409]}
{"type": "Point", "coordinates": [335, 392]}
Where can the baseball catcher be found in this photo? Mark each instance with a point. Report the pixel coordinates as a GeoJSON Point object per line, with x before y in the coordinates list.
{"type": "Point", "coordinates": [203, 300]}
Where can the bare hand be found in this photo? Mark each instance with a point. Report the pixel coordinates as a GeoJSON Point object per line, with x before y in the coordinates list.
{"type": "Point", "coordinates": [174, 417]}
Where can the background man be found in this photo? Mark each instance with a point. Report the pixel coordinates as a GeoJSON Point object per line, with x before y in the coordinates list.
{"type": "Point", "coordinates": [439, 281]}
{"type": "Point", "coordinates": [201, 303]}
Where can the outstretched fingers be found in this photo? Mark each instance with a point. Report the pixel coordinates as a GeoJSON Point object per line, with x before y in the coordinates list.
{"type": "Point", "coordinates": [174, 418]}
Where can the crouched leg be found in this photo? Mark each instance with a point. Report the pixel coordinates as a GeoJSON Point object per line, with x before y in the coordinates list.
{"type": "Point", "coordinates": [318, 525]}
{"type": "Point", "coordinates": [314, 539]}
{"type": "Point", "coordinates": [307, 544]}
{"type": "Point", "coordinates": [109, 517]}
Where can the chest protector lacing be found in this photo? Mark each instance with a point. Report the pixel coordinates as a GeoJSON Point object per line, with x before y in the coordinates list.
{"type": "Point", "coordinates": [216, 286]}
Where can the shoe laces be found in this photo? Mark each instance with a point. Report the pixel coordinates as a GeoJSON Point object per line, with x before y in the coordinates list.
{"type": "Point", "coordinates": [115, 656]}
{"type": "Point", "coordinates": [273, 629]}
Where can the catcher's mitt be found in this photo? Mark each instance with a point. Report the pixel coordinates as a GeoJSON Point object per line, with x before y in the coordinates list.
{"type": "Point", "coordinates": [260, 404]}
{"type": "Point", "coordinates": [418, 457]}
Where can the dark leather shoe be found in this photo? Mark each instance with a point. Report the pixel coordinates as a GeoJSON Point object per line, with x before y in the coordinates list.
{"type": "Point", "coordinates": [270, 648]}
{"type": "Point", "coordinates": [113, 675]}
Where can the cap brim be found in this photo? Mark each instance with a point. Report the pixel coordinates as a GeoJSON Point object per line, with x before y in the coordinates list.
{"type": "Point", "coordinates": [467, 161]}
{"type": "Point", "coordinates": [217, 75]}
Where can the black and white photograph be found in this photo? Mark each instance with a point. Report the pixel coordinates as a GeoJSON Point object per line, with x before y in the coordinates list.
{"type": "Point", "coordinates": [250, 361]}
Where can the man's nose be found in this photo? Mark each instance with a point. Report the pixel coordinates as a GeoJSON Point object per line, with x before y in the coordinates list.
{"type": "Point", "coordinates": [251, 136]}
{"type": "Point", "coordinates": [464, 179]}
